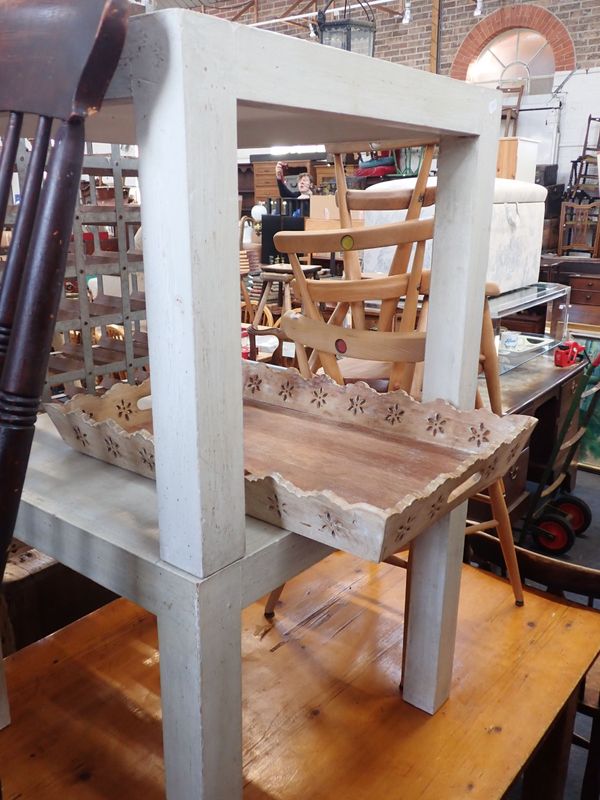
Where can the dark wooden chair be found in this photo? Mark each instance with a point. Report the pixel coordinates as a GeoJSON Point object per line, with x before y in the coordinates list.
{"type": "Point", "coordinates": [558, 578]}
{"type": "Point", "coordinates": [56, 61]}
{"type": "Point", "coordinates": [579, 228]}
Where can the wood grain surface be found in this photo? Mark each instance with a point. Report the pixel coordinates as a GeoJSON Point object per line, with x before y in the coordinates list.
{"type": "Point", "coordinates": [322, 714]}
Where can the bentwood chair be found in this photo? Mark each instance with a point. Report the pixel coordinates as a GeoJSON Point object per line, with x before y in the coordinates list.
{"type": "Point", "coordinates": [56, 61]}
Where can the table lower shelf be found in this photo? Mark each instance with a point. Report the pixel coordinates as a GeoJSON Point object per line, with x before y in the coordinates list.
{"type": "Point", "coordinates": [103, 523]}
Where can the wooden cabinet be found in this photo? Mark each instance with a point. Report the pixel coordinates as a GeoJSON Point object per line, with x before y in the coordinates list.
{"type": "Point", "coordinates": [516, 159]}
{"type": "Point", "coordinates": [246, 187]}
{"type": "Point", "coordinates": [585, 290]}
{"type": "Point", "coordinates": [326, 173]}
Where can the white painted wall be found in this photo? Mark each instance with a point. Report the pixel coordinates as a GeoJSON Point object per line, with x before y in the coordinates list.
{"type": "Point", "coordinates": [559, 122]}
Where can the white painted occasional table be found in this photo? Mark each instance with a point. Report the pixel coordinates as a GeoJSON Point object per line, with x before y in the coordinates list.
{"type": "Point", "coordinates": [184, 549]}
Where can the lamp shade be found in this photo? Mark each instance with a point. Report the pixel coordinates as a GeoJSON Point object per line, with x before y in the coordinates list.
{"type": "Point", "coordinates": [349, 34]}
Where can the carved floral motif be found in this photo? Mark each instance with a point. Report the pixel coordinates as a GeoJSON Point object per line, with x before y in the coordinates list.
{"type": "Point", "coordinates": [357, 404]}
{"type": "Point", "coordinates": [319, 396]}
{"type": "Point", "coordinates": [277, 507]}
{"type": "Point", "coordinates": [479, 434]}
{"type": "Point", "coordinates": [254, 383]}
{"type": "Point", "coordinates": [394, 414]}
{"type": "Point", "coordinates": [286, 391]}
{"type": "Point", "coordinates": [147, 457]}
{"type": "Point", "coordinates": [436, 424]}
{"type": "Point", "coordinates": [331, 524]}
{"type": "Point", "coordinates": [112, 446]}
{"type": "Point", "coordinates": [81, 436]}
{"type": "Point", "coordinates": [124, 409]}
{"type": "Point", "coordinates": [404, 529]}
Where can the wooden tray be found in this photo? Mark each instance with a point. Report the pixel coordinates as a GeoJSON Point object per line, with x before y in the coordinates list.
{"type": "Point", "coordinates": [357, 470]}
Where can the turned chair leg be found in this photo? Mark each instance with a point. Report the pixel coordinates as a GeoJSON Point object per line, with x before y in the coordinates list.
{"type": "Point", "coordinates": [496, 490]}
{"type": "Point", "coordinates": [272, 601]}
{"type": "Point", "coordinates": [505, 535]}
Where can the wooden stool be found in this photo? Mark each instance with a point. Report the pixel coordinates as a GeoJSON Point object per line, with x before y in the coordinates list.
{"type": "Point", "coordinates": [281, 274]}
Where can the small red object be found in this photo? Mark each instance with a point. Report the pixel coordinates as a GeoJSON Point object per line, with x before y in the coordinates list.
{"type": "Point", "coordinates": [245, 344]}
{"type": "Point", "coordinates": [341, 346]}
{"type": "Point", "coordinates": [566, 353]}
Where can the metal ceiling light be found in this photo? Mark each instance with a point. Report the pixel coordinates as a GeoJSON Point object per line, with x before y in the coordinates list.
{"type": "Point", "coordinates": [347, 32]}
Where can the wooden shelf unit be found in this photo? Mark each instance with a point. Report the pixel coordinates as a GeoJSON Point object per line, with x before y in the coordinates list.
{"type": "Point", "coordinates": [84, 353]}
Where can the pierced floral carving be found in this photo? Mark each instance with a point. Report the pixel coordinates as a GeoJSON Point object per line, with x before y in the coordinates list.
{"type": "Point", "coordinates": [124, 409]}
{"type": "Point", "coordinates": [490, 469]}
{"type": "Point", "coordinates": [395, 414]}
{"type": "Point", "coordinates": [319, 396]}
{"type": "Point", "coordinates": [436, 424]}
{"type": "Point", "coordinates": [435, 507]}
{"type": "Point", "coordinates": [287, 391]}
{"type": "Point", "coordinates": [513, 451]}
{"type": "Point", "coordinates": [404, 529]}
{"type": "Point", "coordinates": [254, 383]}
{"type": "Point", "coordinates": [81, 436]}
{"type": "Point", "coordinates": [357, 405]}
{"type": "Point", "coordinates": [112, 447]}
{"type": "Point", "coordinates": [147, 457]}
{"type": "Point", "coordinates": [274, 505]}
{"type": "Point", "coordinates": [331, 524]}
{"type": "Point", "coordinates": [479, 434]}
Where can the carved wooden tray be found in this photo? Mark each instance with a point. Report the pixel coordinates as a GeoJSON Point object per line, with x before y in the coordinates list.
{"type": "Point", "coordinates": [360, 471]}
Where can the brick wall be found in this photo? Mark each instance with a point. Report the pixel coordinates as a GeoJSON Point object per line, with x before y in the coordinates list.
{"type": "Point", "coordinates": [572, 26]}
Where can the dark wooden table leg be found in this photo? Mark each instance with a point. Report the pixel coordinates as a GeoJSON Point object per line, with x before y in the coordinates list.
{"type": "Point", "coordinates": [546, 773]}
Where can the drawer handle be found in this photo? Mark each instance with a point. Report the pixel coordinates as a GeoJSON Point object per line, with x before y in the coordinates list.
{"type": "Point", "coordinates": [588, 297]}
{"type": "Point", "coordinates": [590, 284]}
{"type": "Point", "coordinates": [513, 472]}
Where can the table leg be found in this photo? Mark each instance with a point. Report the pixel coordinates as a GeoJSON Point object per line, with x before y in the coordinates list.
{"type": "Point", "coordinates": [436, 562]}
{"type": "Point", "coordinates": [546, 773]}
{"type": "Point", "coordinates": [200, 676]}
{"type": "Point", "coordinates": [460, 253]}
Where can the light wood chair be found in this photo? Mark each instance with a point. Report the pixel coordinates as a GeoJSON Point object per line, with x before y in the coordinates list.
{"type": "Point", "coordinates": [352, 294]}
{"type": "Point", "coordinates": [399, 351]}
{"type": "Point", "coordinates": [358, 200]}
{"type": "Point", "coordinates": [76, 52]}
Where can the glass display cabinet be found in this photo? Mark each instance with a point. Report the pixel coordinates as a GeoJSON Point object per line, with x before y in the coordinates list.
{"type": "Point", "coordinates": [529, 322]}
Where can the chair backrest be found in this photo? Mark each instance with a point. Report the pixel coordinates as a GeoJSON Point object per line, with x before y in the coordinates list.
{"type": "Point", "coordinates": [579, 228]}
{"type": "Point", "coordinates": [332, 340]}
{"type": "Point", "coordinates": [558, 577]}
{"type": "Point", "coordinates": [512, 97]}
{"type": "Point", "coordinates": [56, 61]}
{"type": "Point", "coordinates": [359, 200]}
{"type": "Point", "coordinates": [351, 293]}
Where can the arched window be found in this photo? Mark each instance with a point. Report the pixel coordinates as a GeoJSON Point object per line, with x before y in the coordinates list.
{"type": "Point", "coordinates": [516, 57]}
